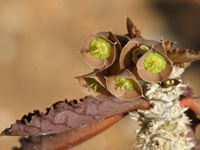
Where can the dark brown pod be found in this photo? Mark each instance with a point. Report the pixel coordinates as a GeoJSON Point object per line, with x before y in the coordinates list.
{"type": "Point", "coordinates": [150, 76]}
{"type": "Point", "coordinates": [94, 84]}
{"type": "Point", "coordinates": [133, 32]}
{"type": "Point", "coordinates": [124, 94]}
{"type": "Point", "coordinates": [170, 82]}
{"type": "Point", "coordinates": [181, 56]}
{"type": "Point", "coordinates": [93, 62]}
{"type": "Point", "coordinates": [63, 116]}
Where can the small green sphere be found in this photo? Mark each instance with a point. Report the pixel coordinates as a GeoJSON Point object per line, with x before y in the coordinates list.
{"type": "Point", "coordinates": [125, 83]}
{"type": "Point", "coordinates": [155, 63]}
{"type": "Point", "coordinates": [100, 48]}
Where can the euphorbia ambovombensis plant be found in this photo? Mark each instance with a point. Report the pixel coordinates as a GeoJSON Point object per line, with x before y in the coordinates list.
{"type": "Point", "coordinates": [131, 75]}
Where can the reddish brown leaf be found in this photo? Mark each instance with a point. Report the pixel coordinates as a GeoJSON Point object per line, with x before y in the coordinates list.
{"type": "Point", "coordinates": [133, 32]}
{"type": "Point", "coordinates": [186, 55]}
{"type": "Point", "coordinates": [66, 115]}
{"type": "Point", "coordinates": [67, 139]}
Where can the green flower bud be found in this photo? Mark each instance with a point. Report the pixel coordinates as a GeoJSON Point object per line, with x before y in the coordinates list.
{"type": "Point", "coordinates": [125, 83]}
{"type": "Point", "coordinates": [100, 48]}
{"type": "Point", "coordinates": [138, 52]}
{"type": "Point", "coordinates": [94, 84]}
{"type": "Point", "coordinates": [170, 127]}
{"type": "Point", "coordinates": [144, 47]}
{"type": "Point", "coordinates": [141, 140]}
{"type": "Point", "coordinates": [155, 63]}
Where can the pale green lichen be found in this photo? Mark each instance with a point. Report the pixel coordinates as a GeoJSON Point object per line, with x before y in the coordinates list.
{"type": "Point", "coordinates": [138, 52]}
{"type": "Point", "coordinates": [100, 48]}
{"type": "Point", "coordinates": [125, 83]}
{"type": "Point", "coordinates": [155, 63]}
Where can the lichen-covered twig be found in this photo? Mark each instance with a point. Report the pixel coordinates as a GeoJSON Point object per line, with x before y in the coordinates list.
{"type": "Point", "coordinates": [164, 126]}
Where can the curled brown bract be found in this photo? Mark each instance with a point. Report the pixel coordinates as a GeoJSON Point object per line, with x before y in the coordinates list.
{"type": "Point", "coordinates": [125, 59]}
{"type": "Point", "coordinates": [151, 77]}
{"type": "Point", "coordinates": [124, 94]}
{"type": "Point", "coordinates": [126, 54]}
{"type": "Point", "coordinates": [100, 92]}
{"type": "Point", "coordinates": [167, 45]}
{"type": "Point", "coordinates": [133, 32]}
{"type": "Point", "coordinates": [152, 43]}
{"type": "Point", "coordinates": [182, 56]}
{"type": "Point", "coordinates": [120, 40]}
{"type": "Point", "coordinates": [94, 62]}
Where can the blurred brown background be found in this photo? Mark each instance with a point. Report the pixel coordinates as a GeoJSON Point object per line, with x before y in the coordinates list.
{"type": "Point", "coordinates": [39, 41]}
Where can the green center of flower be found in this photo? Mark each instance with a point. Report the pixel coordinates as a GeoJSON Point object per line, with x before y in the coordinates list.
{"type": "Point", "coordinates": [155, 63]}
{"type": "Point", "coordinates": [125, 83]}
{"type": "Point", "coordinates": [100, 48]}
{"type": "Point", "coordinates": [94, 84]}
{"type": "Point", "coordinates": [138, 52]}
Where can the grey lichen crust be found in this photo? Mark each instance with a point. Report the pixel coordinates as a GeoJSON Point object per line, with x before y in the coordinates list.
{"type": "Point", "coordinates": [163, 127]}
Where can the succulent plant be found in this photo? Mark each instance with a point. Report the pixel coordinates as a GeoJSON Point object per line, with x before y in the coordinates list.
{"type": "Point", "coordinates": [130, 73]}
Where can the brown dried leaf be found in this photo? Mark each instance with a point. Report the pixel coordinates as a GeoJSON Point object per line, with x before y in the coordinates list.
{"type": "Point", "coordinates": [64, 115]}
{"type": "Point", "coordinates": [167, 45]}
{"type": "Point", "coordinates": [181, 56]}
{"type": "Point", "coordinates": [133, 32]}
{"type": "Point", "coordinates": [67, 139]}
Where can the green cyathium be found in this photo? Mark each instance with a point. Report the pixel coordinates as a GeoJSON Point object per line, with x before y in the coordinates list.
{"type": "Point", "coordinates": [100, 48]}
{"type": "Point", "coordinates": [155, 63]}
{"type": "Point", "coordinates": [125, 83]}
{"type": "Point", "coordinates": [138, 52]}
{"type": "Point", "coordinates": [95, 85]}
